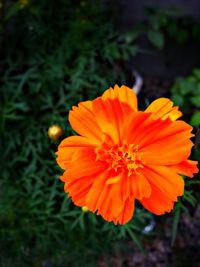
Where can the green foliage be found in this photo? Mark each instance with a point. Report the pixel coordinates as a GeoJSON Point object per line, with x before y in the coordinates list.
{"type": "Point", "coordinates": [186, 94]}
{"type": "Point", "coordinates": [157, 19]}
{"type": "Point", "coordinates": [169, 23]}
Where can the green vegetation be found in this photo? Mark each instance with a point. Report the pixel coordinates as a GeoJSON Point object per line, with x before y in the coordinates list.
{"type": "Point", "coordinates": [186, 94]}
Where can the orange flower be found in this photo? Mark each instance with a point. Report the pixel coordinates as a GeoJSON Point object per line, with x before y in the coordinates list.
{"type": "Point", "coordinates": [122, 154]}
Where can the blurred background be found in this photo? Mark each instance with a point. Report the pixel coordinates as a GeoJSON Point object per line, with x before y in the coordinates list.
{"type": "Point", "coordinates": [54, 54]}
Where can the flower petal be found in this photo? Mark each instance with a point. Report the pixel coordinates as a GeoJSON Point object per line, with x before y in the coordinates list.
{"type": "Point", "coordinates": [82, 120]}
{"type": "Point", "coordinates": [124, 94]}
{"type": "Point", "coordinates": [186, 167]}
{"type": "Point", "coordinates": [104, 197]}
{"type": "Point", "coordinates": [169, 145]}
{"type": "Point", "coordinates": [132, 127]}
{"type": "Point", "coordinates": [161, 142]}
{"type": "Point", "coordinates": [111, 115]}
{"type": "Point", "coordinates": [109, 201]}
{"type": "Point", "coordinates": [163, 108]}
{"type": "Point", "coordinates": [69, 146]}
{"type": "Point", "coordinates": [125, 215]}
{"type": "Point", "coordinates": [159, 202]}
{"type": "Point", "coordinates": [127, 212]}
{"type": "Point", "coordinates": [81, 175]}
{"type": "Point", "coordinates": [165, 180]}
{"type": "Point", "coordinates": [79, 188]}
{"type": "Point", "coordinates": [140, 186]}
{"type": "Point", "coordinates": [84, 164]}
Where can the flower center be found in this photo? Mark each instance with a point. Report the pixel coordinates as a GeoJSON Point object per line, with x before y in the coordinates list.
{"type": "Point", "coordinates": [126, 156]}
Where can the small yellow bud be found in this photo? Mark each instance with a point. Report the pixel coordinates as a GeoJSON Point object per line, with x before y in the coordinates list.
{"type": "Point", "coordinates": [85, 209]}
{"type": "Point", "coordinates": [1, 4]}
{"type": "Point", "coordinates": [55, 132]}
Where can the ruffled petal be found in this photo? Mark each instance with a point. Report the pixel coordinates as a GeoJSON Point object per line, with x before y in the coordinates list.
{"type": "Point", "coordinates": [69, 146]}
{"type": "Point", "coordinates": [82, 174]}
{"type": "Point", "coordinates": [125, 215]}
{"type": "Point", "coordinates": [111, 115]}
{"type": "Point", "coordinates": [163, 108]}
{"type": "Point", "coordinates": [165, 180]}
{"type": "Point", "coordinates": [159, 201]}
{"type": "Point", "coordinates": [186, 167]}
{"type": "Point", "coordinates": [105, 198]}
{"type": "Point", "coordinates": [170, 145]}
{"type": "Point", "coordinates": [84, 164]}
{"type": "Point", "coordinates": [79, 188]}
{"type": "Point", "coordinates": [123, 94]}
{"type": "Point", "coordinates": [140, 186]}
{"type": "Point", "coordinates": [161, 142]}
{"type": "Point", "coordinates": [83, 121]}
{"type": "Point", "coordinates": [133, 126]}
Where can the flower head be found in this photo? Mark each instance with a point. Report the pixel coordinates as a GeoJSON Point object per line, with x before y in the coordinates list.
{"type": "Point", "coordinates": [122, 154]}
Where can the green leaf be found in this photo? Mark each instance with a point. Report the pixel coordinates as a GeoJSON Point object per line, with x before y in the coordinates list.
{"type": "Point", "coordinates": [185, 87]}
{"type": "Point", "coordinates": [156, 38]}
{"type": "Point", "coordinates": [195, 120]}
{"type": "Point", "coordinates": [195, 100]}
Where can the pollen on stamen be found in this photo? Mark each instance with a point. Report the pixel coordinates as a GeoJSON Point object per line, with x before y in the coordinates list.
{"type": "Point", "coordinates": [126, 157]}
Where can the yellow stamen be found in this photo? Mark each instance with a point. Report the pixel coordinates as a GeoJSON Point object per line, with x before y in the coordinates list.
{"type": "Point", "coordinates": [126, 157]}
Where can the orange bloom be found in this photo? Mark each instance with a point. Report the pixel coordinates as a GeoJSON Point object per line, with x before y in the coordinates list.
{"type": "Point", "coordinates": [122, 154]}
